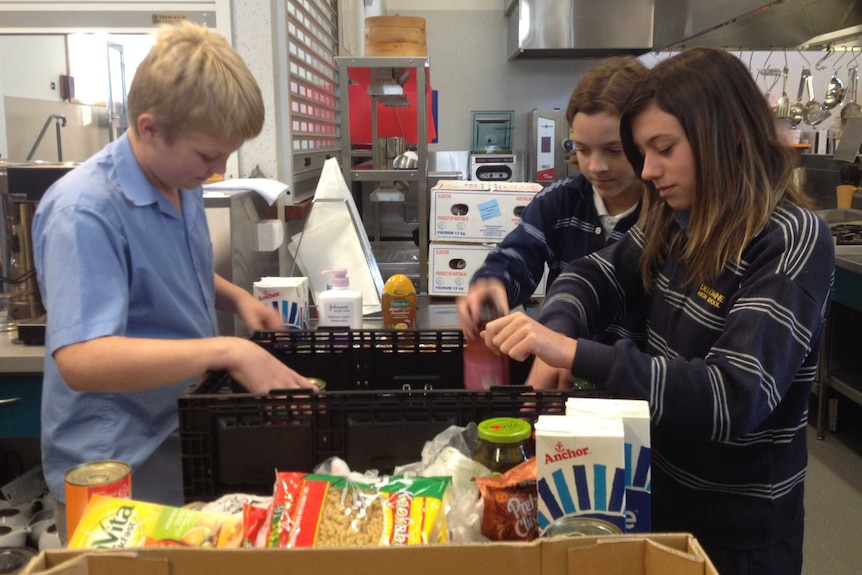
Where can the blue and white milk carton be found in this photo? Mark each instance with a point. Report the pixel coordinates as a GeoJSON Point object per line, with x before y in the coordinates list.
{"type": "Point", "coordinates": [636, 426]}
{"type": "Point", "coordinates": [580, 474]}
{"type": "Point", "coordinates": [288, 295]}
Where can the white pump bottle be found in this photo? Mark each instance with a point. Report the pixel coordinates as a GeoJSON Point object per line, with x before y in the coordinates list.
{"type": "Point", "coordinates": [339, 306]}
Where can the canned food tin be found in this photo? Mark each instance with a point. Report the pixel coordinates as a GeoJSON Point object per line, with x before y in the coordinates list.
{"type": "Point", "coordinates": [318, 383]}
{"type": "Point", "coordinates": [106, 477]}
{"type": "Point", "coordinates": [581, 527]}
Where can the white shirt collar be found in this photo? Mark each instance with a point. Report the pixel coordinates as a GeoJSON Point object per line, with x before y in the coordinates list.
{"type": "Point", "coordinates": [609, 222]}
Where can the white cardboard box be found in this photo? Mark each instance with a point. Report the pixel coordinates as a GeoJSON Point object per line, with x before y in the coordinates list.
{"type": "Point", "coordinates": [477, 211]}
{"type": "Point", "coordinates": [451, 266]}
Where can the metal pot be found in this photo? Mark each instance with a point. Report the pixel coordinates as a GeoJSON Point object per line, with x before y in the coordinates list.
{"type": "Point", "coordinates": [409, 160]}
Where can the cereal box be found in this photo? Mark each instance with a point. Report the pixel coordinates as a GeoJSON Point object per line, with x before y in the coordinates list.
{"type": "Point", "coordinates": [112, 523]}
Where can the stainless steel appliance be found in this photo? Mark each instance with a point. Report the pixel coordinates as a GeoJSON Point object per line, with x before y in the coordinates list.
{"type": "Point", "coordinates": [234, 218]}
{"type": "Point", "coordinates": [573, 29]}
{"type": "Point", "coordinates": [22, 185]}
{"type": "Point", "coordinates": [492, 158]}
{"type": "Point", "coordinates": [548, 146]}
{"type": "Point", "coordinates": [495, 167]}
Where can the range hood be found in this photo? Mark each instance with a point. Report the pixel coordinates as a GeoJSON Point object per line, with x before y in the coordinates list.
{"type": "Point", "coordinates": [595, 29]}
{"type": "Point", "coordinates": [578, 28]}
{"type": "Point", "coordinates": [759, 25]}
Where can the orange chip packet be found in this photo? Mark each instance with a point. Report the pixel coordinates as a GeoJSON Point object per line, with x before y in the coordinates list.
{"type": "Point", "coordinates": [510, 512]}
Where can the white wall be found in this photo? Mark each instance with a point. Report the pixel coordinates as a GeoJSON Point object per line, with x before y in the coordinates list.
{"type": "Point", "coordinates": [29, 77]}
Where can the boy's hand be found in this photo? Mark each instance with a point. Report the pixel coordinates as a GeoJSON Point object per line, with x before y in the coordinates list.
{"type": "Point", "coordinates": [257, 315]}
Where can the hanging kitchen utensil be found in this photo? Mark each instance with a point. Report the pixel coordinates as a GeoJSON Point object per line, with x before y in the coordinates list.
{"type": "Point", "coordinates": [775, 74]}
{"type": "Point", "coordinates": [782, 108]}
{"type": "Point", "coordinates": [851, 108]}
{"type": "Point", "coordinates": [813, 113]}
{"type": "Point", "coordinates": [797, 107]}
{"type": "Point", "coordinates": [836, 89]}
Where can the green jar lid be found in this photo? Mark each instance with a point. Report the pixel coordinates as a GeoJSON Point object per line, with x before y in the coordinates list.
{"type": "Point", "coordinates": [504, 430]}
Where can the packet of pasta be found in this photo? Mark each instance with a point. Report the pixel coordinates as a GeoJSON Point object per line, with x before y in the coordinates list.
{"type": "Point", "coordinates": [113, 523]}
{"type": "Point", "coordinates": [340, 512]}
{"type": "Point", "coordinates": [510, 504]}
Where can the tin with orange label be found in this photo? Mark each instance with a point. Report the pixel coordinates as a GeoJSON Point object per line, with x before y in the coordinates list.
{"type": "Point", "coordinates": [106, 477]}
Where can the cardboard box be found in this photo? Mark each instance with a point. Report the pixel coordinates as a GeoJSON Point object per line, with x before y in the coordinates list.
{"type": "Point", "coordinates": [658, 554]}
{"type": "Point", "coordinates": [478, 215]}
{"type": "Point", "coordinates": [451, 266]}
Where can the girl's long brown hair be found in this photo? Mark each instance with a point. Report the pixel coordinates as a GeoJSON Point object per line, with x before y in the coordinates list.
{"type": "Point", "coordinates": [743, 170]}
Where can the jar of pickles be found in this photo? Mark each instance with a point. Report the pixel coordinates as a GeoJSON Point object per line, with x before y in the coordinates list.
{"type": "Point", "coordinates": [504, 442]}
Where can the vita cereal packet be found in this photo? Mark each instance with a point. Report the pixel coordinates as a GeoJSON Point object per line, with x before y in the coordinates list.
{"type": "Point", "coordinates": [109, 522]}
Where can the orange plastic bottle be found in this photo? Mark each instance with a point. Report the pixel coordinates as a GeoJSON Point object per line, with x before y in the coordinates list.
{"type": "Point", "coordinates": [399, 303]}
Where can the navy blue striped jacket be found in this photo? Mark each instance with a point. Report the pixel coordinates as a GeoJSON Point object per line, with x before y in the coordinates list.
{"type": "Point", "coordinates": [727, 368]}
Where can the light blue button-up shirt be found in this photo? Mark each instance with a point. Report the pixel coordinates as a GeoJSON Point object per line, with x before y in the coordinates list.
{"type": "Point", "coordinates": [114, 257]}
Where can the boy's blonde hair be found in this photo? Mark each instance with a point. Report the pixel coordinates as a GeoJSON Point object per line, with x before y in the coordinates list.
{"type": "Point", "coordinates": [193, 81]}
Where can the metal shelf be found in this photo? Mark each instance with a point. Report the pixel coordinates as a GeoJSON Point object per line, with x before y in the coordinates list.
{"type": "Point", "coordinates": [395, 69]}
{"type": "Point", "coordinates": [384, 175]}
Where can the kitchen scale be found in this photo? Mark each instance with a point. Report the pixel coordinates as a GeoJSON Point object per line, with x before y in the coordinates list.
{"type": "Point", "coordinates": [491, 155]}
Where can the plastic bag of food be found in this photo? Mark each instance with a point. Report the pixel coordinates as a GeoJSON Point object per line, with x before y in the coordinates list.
{"type": "Point", "coordinates": [254, 522]}
{"type": "Point", "coordinates": [282, 512]}
{"type": "Point", "coordinates": [510, 504]}
{"type": "Point", "coordinates": [338, 512]}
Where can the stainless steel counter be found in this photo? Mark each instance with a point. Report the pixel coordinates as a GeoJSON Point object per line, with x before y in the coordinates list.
{"type": "Point", "coordinates": [16, 358]}
{"type": "Point", "coordinates": [850, 262]}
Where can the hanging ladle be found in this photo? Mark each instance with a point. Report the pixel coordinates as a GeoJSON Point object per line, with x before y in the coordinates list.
{"type": "Point", "coordinates": [836, 90]}
{"type": "Point", "coordinates": [813, 113]}
{"type": "Point", "coordinates": [797, 108]}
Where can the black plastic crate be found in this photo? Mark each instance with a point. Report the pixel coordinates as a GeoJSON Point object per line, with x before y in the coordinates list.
{"type": "Point", "coordinates": [365, 359]}
{"type": "Point", "coordinates": [234, 442]}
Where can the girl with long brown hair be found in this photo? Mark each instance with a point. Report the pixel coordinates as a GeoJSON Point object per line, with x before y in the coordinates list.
{"type": "Point", "coordinates": [731, 272]}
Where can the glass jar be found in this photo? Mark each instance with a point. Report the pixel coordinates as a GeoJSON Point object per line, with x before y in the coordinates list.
{"type": "Point", "coordinates": [504, 442]}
